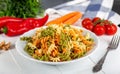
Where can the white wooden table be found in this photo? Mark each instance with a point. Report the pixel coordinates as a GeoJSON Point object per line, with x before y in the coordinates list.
{"type": "Point", "coordinates": [13, 63]}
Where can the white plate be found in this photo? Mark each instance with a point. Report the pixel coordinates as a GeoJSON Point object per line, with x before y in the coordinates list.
{"type": "Point", "coordinates": [20, 45]}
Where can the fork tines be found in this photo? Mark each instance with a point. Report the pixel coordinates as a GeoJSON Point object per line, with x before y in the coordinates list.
{"type": "Point", "coordinates": [114, 42]}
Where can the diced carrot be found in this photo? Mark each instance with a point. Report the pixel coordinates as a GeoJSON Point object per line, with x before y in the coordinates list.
{"type": "Point", "coordinates": [64, 18]}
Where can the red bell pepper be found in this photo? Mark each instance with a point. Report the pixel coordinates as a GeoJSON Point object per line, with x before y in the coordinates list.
{"type": "Point", "coordinates": [0, 31]}
{"type": "Point", "coordinates": [19, 27]}
{"type": "Point", "coordinates": [14, 28]}
{"type": "Point", "coordinates": [4, 20]}
{"type": "Point", "coordinates": [38, 22]}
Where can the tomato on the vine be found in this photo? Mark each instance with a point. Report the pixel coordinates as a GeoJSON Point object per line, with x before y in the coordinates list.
{"type": "Point", "coordinates": [99, 26]}
{"type": "Point", "coordinates": [111, 29]}
{"type": "Point", "coordinates": [86, 21]}
{"type": "Point", "coordinates": [99, 29]}
{"type": "Point", "coordinates": [96, 20]}
{"type": "Point", "coordinates": [89, 26]}
{"type": "Point", "coordinates": [106, 22]}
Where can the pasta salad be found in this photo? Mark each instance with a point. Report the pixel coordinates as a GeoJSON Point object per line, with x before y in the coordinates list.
{"type": "Point", "coordinates": [58, 43]}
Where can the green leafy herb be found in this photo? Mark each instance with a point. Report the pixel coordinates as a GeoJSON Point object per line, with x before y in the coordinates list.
{"type": "Point", "coordinates": [20, 8]}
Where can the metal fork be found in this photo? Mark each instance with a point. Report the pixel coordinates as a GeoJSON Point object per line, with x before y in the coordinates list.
{"type": "Point", "coordinates": [112, 46]}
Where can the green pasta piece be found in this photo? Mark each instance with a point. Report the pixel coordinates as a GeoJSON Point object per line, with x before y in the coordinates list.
{"type": "Point", "coordinates": [49, 31]}
{"type": "Point", "coordinates": [90, 39]}
{"type": "Point", "coordinates": [64, 40]}
{"type": "Point", "coordinates": [28, 39]}
{"type": "Point", "coordinates": [29, 50]}
{"type": "Point", "coordinates": [64, 56]}
{"type": "Point", "coordinates": [44, 58]}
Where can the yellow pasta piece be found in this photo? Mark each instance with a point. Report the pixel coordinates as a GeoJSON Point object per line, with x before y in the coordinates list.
{"type": "Point", "coordinates": [88, 48]}
{"type": "Point", "coordinates": [38, 52]}
{"type": "Point", "coordinates": [54, 53]}
{"type": "Point", "coordinates": [87, 42]}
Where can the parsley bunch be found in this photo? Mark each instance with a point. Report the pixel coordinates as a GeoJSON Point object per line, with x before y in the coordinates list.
{"type": "Point", "coordinates": [21, 8]}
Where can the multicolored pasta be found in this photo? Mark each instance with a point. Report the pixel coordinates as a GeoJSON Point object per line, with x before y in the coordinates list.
{"type": "Point", "coordinates": [58, 43]}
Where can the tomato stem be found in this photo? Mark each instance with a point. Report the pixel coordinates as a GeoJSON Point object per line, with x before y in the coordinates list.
{"type": "Point", "coordinates": [110, 22]}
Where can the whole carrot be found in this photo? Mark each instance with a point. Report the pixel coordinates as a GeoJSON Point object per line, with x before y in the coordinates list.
{"type": "Point", "coordinates": [73, 19]}
{"type": "Point", "coordinates": [64, 18]}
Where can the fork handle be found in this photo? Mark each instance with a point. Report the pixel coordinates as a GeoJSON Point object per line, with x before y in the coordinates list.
{"type": "Point", "coordinates": [99, 65]}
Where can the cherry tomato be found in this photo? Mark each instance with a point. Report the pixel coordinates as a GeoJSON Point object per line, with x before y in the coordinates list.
{"type": "Point", "coordinates": [99, 29]}
{"type": "Point", "coordinates": [106, 22]}
{"type": "Point", "coordinates": [89, 26]}
{"type": "Point", "coordinates": [111, 29]}
{"type": "Point", "coordinates": [96, 20]}
{"type": "Point", "coordinates": [86, 21]}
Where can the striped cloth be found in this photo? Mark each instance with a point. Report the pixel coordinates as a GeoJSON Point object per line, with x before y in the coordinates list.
{"type": "Point", "coordinates": [90, 8]}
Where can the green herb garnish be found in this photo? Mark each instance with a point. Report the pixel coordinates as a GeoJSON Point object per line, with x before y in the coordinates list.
{"type": "Point", "coordinates": [20, 8]}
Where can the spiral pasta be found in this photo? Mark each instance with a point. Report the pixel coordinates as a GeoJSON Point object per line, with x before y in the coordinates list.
{"type": "Point", "coordinates": [57, 43]}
